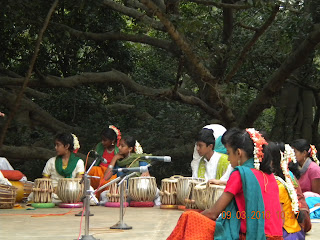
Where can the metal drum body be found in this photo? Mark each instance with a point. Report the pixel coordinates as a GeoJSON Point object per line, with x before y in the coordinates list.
{"type": "Point", "coordinates": [42, 191]}
{"type": "Point", "coordinates": [23, 190]}
{"type": "Point", "coordinates": [142, 189]}
{"type": "Point", "coordinates": [168, 192]}
{"type": "Point", "coordinates": [206, 194]}
{"type": "Point", "coordinates": [69, 190]}
{"type": "Point", "coordinates": [184, 188]}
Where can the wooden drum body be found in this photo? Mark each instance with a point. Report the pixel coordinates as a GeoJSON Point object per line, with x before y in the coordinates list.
{"type": "Point", "coordinates": [42, 191]}
{"type": "Point", "coordinates": [23, 190]}
{"type": "Point", "coordinates": [168, 192]}
{"type": "Point", "coordinates": [114, 192]}
{"type": "Point", "coordinates": [7, 196]}
{"type": "Point", "coordinates": [184, 188]}
{"type": "Point", "coordinates": [206, 194]}
{"type": "Point", "coordinates": [142, 189]}
{"type": "Point", "coordinates": [69, 190]}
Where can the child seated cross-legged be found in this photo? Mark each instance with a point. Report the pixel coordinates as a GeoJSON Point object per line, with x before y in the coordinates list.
{"type": "Point", "coordinates": [250, 202]}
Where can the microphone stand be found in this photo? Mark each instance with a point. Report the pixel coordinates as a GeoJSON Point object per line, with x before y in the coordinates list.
{"type": "Point", "coordinates": [121, 224]}
{"type": "Point", "coordinates": [88, 194]}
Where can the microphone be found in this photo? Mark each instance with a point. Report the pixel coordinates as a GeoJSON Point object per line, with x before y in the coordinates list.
{"type": "Point", "coordinates": [99, 157]}
{"type": "Point", "coordinates": [134, 169]}
{"type": "Point", "coordinates": [157, 158]}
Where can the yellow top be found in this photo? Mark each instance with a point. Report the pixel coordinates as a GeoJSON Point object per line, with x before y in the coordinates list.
{"type": "Point", "coordinates": [291, 224]}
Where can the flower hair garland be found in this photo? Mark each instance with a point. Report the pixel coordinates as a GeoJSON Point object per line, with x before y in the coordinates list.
{"type": "Point", "coordinates": [313, 153]}
{"type": "Point", "coordinates": [258, 142]}
{"type": "Point", "coordinates": [137, 148]}
{"type": "Point", "coordinates": [286, 157]}
{"type": "Point", "coordinates": [118, 133]}
{"type": "Point", "coordinates": [289, 154]}
{"type": "Point", "coordinates": [76, 144]}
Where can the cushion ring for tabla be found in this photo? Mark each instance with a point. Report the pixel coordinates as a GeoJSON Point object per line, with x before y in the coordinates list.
{"type": "Point", "coordinates": [43, 205]}
{"type": "Point", "coordinates": [71, 205]}
{"type": "Point", "coordinates": [141, 204]}
{"type": "Point", "coordinates": [116, 204]}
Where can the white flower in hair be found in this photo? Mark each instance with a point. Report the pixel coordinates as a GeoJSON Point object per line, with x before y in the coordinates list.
{"type": "Point", "coordinates": [289, 154]}
{"type": "Point", "coordinates": [137, 148]}
{"type": "Point", "coordinates": [76, 144]}
{"type": "Point", "coordinates": [286, 157]}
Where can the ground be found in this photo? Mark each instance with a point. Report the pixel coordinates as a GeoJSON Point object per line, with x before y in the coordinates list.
{"type": "Point", "coordinates": [147, 223]}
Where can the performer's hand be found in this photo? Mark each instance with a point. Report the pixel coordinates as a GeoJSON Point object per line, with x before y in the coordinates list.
{"type": "Point", "coordinates": [2, 114]}
{"type": "Point", "coordinates": [217, 182]}
{"type": "Point", "coordinates": [108, 174]}
{"type": "Point", "coordinates": [208, 214]}
{"type": "Point", "coordinates": [145, 174]}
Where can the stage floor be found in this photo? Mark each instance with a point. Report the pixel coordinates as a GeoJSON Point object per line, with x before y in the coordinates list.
{"type": "Point", "coordinates": [147, 223]}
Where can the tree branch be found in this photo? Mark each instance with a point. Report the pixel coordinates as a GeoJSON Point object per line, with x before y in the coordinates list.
{"type": "Point", "coordinates": [30, 153]}
{"type": "Point", "coordinates": [140, 38]}
{"type": "Point", "coordinates": [36, 113]}
{"type": "Point", "coordinates": [221, 5]}
{"type": "Point", "coordinates": [29, 72]}
{"type": "Point", "coordinates": [296, 59]}
{"type": "Point", "coordinates": [182, 43]}
{"type": "Point", "coordinates": [115, 76]}
{"type": "Point", "coordinates": [134, 13]}
{"type": "Point", "coordinates": [250, 44]}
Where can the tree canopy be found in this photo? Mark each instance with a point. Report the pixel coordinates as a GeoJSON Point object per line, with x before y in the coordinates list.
{"type": "Point", "coordinates": [158, 70]}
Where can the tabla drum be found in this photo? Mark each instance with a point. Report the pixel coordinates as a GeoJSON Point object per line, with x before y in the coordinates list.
{"type": "Point", "coordinates": [69, 190]}
{"type": "Point", "coordinates": [42, 190]}
{"type": "Point", "coordinates": [23, 190]}
{"type": "Point", "coordinates": [7, 196]}
{"type": "Point", "coordinates": [114, 192]}
{"type": "Point", "coordinates": [207, 194]}
{"type": "Point", "coordinates": [184, 188]}
{"type": "Point", "coordinates": [142, 189]}
{"type": "Point", "coordinates": [168, 193]}
{"type": "Point", "coordinates": [190, 196]}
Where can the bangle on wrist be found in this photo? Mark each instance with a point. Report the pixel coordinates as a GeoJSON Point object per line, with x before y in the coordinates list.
{"type": "Point", "coordinates": [110, 166]}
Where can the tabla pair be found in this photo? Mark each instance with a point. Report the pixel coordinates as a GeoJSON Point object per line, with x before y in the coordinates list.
{"type": "Point", "coordinates": [69, 191]}
{"type": "Point", "coordinates": [193, 193]}
{"type": "Point", "coordinates": [141, 190]}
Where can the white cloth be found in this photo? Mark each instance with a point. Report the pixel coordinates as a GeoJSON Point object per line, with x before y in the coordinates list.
{"type": "Point", "coordinates": [4, 180]}
{"type": "Point", "coordinates": [4, 164]}
{"type": "Point", "coordinates": [50, 170]}
{"type": "Point", "coordinates": [218, 130]}
{"type": "Point", "coordinates": [211, 166]}
{"type": "Point", "coordinates": [226, 175]}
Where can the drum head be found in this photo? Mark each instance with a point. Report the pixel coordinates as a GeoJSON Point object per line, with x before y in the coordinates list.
{"type": "Point", "coordinates": [43, 205]}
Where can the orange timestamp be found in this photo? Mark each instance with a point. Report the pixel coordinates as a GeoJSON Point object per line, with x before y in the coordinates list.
{"type": "Point", "coordinates": [244, 215]}
{"type": "Point", "coordinates": [258, 215]}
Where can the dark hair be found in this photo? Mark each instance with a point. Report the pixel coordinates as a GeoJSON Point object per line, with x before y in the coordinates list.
{"type": "Point", "coordinates": [237, 138]}
{"type": "Point", "coordinates": [130, 141]}
{"type": "Point", "coordinates": [275, 149]}
{"type": "Point", "coordinates": [65, 139]}
{"type": "Point", "coordinates": [206, 135]}
{"type": "Point", "coordinates": [294, 168]}
{"type": "Point", "coordinates": [302, 145]}
{"type": "Point", "coordinates": [109, 133]}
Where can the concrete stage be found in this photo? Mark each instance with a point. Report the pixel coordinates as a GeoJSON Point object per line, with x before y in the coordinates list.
{"type": "Point", "coordinates": [147, 223]}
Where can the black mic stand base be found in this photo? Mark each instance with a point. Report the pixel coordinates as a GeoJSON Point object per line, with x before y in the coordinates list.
{"type": "Point", "coordinates": [88, 237]}
{"type": "Point", "coordinates": [80, 214]}
{"type": "Point", "coordinates": [122, 226]}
